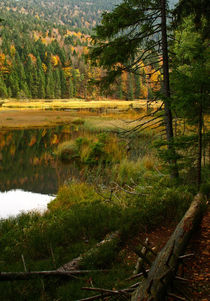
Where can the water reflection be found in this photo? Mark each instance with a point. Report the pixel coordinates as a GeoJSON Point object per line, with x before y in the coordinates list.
{"type": "Point", "coordinates": [27, 162]}
{"type": "Point", "coordinates": [16, 201]}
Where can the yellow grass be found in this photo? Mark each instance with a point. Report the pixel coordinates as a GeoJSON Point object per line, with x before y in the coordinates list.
{"type": "Point", "coordinates": [73, 104]}
{"type": "Point", "coordinates": [101, 114]}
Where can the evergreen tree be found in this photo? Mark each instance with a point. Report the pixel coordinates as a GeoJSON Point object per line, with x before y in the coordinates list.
{"type": "Point", "coordinates": [131, 33]}
{"type": "Point", "coordinates": [137, 86]}
{"type": "Point", "coordinates": [130, 87]}
{"type": "Point", "coordinates": [41, 84]}
{"type": "Point", "coordinates": [13, 84]}
{"type": "Point", "coordinates": [120, 90]}
{"type": "Point", "coordinates": [3, 88]}
{"type": "Point", "coordinates": [57, 84]}
{"type": "Point", "coordinates": [191, 79]}
{"type": "Point", "coordinates": [49, 83]}
{"type": "Point", "coordinates": [71, 88]}
{"type": "Point", "coordinates": [62, 83]}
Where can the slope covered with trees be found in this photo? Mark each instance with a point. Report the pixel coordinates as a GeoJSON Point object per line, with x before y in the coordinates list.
{"type": "Point", "coordinates": [42, 52]}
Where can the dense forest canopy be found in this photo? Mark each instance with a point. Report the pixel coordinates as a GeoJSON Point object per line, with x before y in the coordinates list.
{"type": "Point", "coordinates": [42, 51]}
{"type": "Point", "coordinates": [76, 13]}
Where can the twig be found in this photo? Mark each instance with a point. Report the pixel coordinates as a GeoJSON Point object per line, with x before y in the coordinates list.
{"type": "Point", "coordinates": [186, 256]}
{"type": "Point", "coordinates": [176, 297]}
{"type": "Point", "coordinates": [136, 276]}
{"type": "Point", "coordinates": [103, 290]}
{"type": "Point", "coordinates": [24, 264]}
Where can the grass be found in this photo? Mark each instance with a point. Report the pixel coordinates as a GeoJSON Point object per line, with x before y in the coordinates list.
{"type": "Point", "coordinates": [118, 188]}
{"type": "Point", "coordinates": [74, 104]}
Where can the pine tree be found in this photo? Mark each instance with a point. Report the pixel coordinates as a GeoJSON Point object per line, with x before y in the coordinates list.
{"type": "Point", "coordinates": [134, 32]}
{"type": "Point", "coordinates": [130, 87]}
{"type": "Point", "coordinates": [14, 84]}
{"type": "Point", "coordinates": [62, 83]}
{"type": "Point", "coordinates": [49, 83]}
{"type": "Point", "coordinates": [71, 88]}
{"type": "Point", "coordinates": [190, 79]}
{"type": "Point", "coordinates": [137, 86]}
{"type": "Point", "coordinates": [3, 88]}
{"type": "Point", "coordinates": [57, 84]}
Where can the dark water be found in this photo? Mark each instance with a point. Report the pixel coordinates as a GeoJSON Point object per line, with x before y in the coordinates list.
{"type": "Point", "coordinates": [27, 159]}
{"type": "Point", "coordinates": [28, 164]}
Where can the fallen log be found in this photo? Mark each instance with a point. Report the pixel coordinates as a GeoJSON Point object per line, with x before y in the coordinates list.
{"type": "Point", "coordinates": [14, 276]}
{"type": "Point", "coordinates": [74, 264]}
{"type": "Point", "coordinates": [164, 268]}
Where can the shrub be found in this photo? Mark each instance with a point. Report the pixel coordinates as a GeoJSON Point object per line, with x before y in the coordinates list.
{"type": "Point", "coordinates": [68, 151]}
{"type": "Point", "coordinates": [72, 194]}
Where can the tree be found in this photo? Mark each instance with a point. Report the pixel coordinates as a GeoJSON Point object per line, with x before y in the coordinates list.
{"type": "Point", "coordinates": [190, 79]}
{"type": "Point", "coordinates": [49, 82]}
{"type": "Point", "coordinates": [3, 88]}
{"type": "Point", "coordinates": [136, 31]}
{"type": "Point", "coordinates": [199, 10]}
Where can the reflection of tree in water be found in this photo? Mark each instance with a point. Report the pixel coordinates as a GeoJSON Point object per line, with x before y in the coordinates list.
{"type": "Point", "coordinates": [27, 161]}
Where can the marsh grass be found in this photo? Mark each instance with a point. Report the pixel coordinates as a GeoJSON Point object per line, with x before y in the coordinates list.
{"type": "Point", "coordinates": [92, 149]}
{"type": "Point", "coordinates": [86, 209]}
{"type": "Point", "coordinates": [76, 220]}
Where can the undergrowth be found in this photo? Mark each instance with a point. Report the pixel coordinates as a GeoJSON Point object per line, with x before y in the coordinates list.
{"type": "Point", "coordinates": [122, 187]}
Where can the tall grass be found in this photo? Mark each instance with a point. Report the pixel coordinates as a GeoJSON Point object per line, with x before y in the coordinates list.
{"type": "Point", "coordinates": [120, 190]}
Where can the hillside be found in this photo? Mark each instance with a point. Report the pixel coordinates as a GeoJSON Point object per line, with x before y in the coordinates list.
{"type": "Point", "coordinates": [42, 52]}
{"type": "Point", "coordinates": [80, 14]}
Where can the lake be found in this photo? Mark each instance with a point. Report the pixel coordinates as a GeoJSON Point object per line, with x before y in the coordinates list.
{"type": "Point", "coordinates": [30, 173]}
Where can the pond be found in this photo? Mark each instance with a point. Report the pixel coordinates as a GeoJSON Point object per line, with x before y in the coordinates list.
{"type": "Point", "coordinates": [30, 174]}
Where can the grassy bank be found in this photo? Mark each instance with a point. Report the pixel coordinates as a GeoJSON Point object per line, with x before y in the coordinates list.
{"type": "Point", "coordinates": [125, 189]}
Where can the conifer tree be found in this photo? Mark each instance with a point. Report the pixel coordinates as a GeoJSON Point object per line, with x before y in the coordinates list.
{"type": "Point", "coordinates": [57, 84]}
{"type": "Point", "coordinates": [3, 88]}
{"type": "Point", "coordinates": [136, 31]}
{"type": "Point", "coordinates": [62, 83]}
{"type": "Point", "coordinates": [137, 86]}
{"type": "Point", "coordinates": [49, 83]}
{"type": "Point", "coordinates": [190, 79]}
{"type": "Point", "coordinates": [71, 88]}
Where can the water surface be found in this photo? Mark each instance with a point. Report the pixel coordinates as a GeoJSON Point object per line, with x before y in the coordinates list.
{"type": "Point", "coordinates": [29, 171]}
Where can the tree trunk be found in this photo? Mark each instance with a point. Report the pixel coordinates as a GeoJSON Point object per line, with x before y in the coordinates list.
{"type": "Point", "coordinates": [164, 268]}
{"type": "Point", "coordinates": [167, 94]}
{"type": "Point", "coordinates": [200, 125]}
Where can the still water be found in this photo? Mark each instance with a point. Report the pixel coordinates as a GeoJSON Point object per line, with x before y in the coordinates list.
{"type": "Point", "coordinates": [30, 174]}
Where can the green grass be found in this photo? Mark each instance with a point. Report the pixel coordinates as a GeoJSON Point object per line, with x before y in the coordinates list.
{"type": "Point", "coordinates": [129, 192]}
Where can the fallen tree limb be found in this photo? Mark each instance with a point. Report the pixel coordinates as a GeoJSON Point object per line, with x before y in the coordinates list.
{"type": "Point", "coordinates": [107, 293]}
{"type": "Point", "coordinates": [13, 276]}
{"type": "Point", "coordinates": [164, 268]}
{"type": "Point", "coordinates": [75, 263]}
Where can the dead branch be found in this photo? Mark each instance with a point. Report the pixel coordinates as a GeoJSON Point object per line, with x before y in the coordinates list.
{"type": "Point", "coordinates": [14, 276]}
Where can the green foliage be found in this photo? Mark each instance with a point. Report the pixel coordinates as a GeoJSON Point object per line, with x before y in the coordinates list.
{"type": "Point", "coordinates": [102, 149]}
{"type": "Point", "coordinates": [190, 77]}
{"type": "Point", "coordinates": [102, 257]}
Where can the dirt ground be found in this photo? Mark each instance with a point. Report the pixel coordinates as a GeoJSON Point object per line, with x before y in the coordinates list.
{"type": "Point", "coordinates": [196, 268]}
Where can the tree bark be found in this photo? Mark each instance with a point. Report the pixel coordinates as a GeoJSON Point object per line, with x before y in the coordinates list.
{"type": "Point", "coordinates": [200, 125]}
{"type": "Point", "coordinates": [164, 268]}
{"type": "Point", "coordinates": [167, 93]}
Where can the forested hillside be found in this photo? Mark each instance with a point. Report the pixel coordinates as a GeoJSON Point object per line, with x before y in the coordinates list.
{"type": "Point", "coordinates": [80, 14]}
{"type": "Point", "coordinates": [42, 51]}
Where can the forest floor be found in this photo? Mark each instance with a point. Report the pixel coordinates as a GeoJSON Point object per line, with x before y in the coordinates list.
{"type": "Point", "coordinates": [197, 269]}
